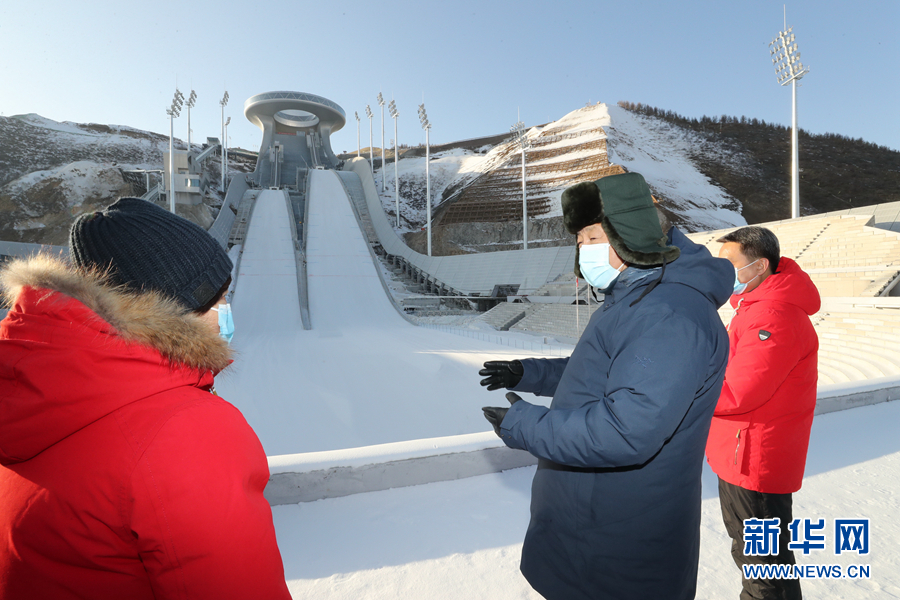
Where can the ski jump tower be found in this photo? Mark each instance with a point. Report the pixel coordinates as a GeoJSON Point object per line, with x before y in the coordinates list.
{"type": "Point", "coordinates": [297, 130]}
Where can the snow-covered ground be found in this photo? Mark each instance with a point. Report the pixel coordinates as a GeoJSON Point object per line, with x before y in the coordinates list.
{"type": "Point", "coordinates": [70, 127]}
{"type": "Point", "coordinates": [129, 147]}
{"type": "Point", "coordinates": [77, 180]}
{"type": "Point", "coordinates": [462, 539]}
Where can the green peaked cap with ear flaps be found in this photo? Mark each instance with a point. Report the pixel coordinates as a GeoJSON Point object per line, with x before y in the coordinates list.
{"type": "Point", "coordinates": [622, 204]}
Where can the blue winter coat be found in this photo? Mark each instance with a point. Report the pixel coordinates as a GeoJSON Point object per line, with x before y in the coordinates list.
{"type": "Point", "coordinates": [615, 505]}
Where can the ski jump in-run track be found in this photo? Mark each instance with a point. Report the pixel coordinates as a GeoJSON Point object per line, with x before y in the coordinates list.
{"type": "Point", "coordinates": [362, 375]}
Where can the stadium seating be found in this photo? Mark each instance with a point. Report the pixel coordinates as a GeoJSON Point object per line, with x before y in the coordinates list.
{"type": "Point", "coordinates": [843, 254]}
{"type": "Point", "coordinates": [853, 264]}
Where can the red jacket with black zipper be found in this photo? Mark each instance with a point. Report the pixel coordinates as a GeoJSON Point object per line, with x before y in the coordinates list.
{"type": "Point", "coordinates": [121, 475]}
{"type": "Point", "coordinates": [760, 429]}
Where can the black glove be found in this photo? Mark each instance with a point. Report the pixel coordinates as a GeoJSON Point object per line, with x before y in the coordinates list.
{"type": "Point", "coordinates": [501, 374]}
{"type": "Point", "coordinates": [495, 414]}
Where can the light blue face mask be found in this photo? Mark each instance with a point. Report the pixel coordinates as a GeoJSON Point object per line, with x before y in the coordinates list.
{"type": "Point", "coordinates": [594, 262]}
{"type": "Point", "coordinates": [226, 322]}
{"type": "Point", "coordinates": [740, 288]}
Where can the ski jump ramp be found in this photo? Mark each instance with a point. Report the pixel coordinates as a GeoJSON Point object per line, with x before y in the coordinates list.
{"type": "Point", "coordinates": [362, 375]}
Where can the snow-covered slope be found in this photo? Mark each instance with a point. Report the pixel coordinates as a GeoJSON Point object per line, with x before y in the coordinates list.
{"type": "Point", "coordinates": [33, 143]}
{"type": "Point", "coordinates": [659, 151]}
{"type": "Point", "coordinates": [51, 172]}
{"type": "Point", "coordinates": [451, 167]}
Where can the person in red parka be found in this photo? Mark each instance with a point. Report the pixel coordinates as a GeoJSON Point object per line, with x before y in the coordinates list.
{"type": "Point", "coordinates": [760, 429]}
{"type": "Point", "coordinates": [121, 474]}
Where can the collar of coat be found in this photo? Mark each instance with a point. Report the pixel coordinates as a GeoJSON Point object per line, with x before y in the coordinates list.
{"type": "Point", "coordinates": [145, 318]}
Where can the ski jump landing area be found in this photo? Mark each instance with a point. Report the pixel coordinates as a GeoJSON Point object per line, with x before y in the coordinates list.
{"type": "Point", "coordinates": [362, 375]}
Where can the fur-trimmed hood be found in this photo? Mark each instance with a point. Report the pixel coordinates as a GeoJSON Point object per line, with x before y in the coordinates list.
{"type": "Point", "coordinates": [148, 319]}
{"type": "Point", "coordinates": [75, 349]}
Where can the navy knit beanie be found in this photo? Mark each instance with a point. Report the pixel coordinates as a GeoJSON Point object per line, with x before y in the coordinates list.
{"type": "Point", "coordinates": [149, 248]}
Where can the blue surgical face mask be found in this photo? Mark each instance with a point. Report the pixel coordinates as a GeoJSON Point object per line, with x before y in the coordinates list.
{"type": "Point", "coordinates": [740, 288]}
{"type": "Point", "coordinates": [226, 323]}
{"type": "Point", "coordinates": [594, 262]}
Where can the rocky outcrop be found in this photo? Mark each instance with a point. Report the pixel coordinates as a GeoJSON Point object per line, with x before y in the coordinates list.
{"type": "Point", "coordinates": [40, 207]}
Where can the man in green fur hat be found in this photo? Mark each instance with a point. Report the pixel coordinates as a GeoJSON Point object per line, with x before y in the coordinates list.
{"type": "Point", "coordinates": [615, 508]}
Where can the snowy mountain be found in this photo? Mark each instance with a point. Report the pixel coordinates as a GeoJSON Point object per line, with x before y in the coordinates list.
{"type": "Point", "coordinates": [663, 154]}
{"type": "Point", "coordinates": [588, 143]}
{"type": "Point", "coordinates": [51, 172]}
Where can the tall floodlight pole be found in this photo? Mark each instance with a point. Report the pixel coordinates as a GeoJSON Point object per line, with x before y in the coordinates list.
{"type": "Point", "coordinates": [789, 69]}
{"type": "Point", "coordinates": [225, 148]}
{"type": "Point", "coordinates": [394, 114]}
{"type": "Point", "coordinates": [192, 99]}
{"type": "Point", "coordinates": [222, 103]}
{"type": "Point", "coordinates": [423, 119]}
{"type": "Point", "coordinates": [519, 131]}
{"type": "Point", "coordinates": [381, 104]}
{"type": "Point", "coordinates": [173, 112]}
{"type": "Point", "coordinates": [371, 157]}
{"type": "Point", "coordinates": [356, 114]}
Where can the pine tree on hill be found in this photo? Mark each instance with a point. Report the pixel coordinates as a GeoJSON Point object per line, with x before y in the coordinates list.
{"type": "Point", "coordinates": [836, 172]}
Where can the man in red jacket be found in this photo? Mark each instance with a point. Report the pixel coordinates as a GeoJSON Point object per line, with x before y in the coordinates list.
{"type": "Point", "coordinates": [760, 429]}
{"type": "Point", "coordinates": [121, 474]}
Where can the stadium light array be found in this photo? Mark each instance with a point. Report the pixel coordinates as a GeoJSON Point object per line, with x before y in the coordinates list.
{"type": "Point", "coordinates": [371, 157]}
{"type": "Point", "coordinates": [395, 114]}
{"type": "Point", "coordinates": [788, 69]}
{"type": "Point", "coordinates": [358, 150]}
{"type": "Point", "coordinates": [173, 111]}
{"type": "Point", "coordinates": [192, 99]}
{"type": "Point", "coordinates": [426, 125]}
{"type": "Point", "coordinates": [381, 104]}
{"type": "Point", "coordinates": [519, 133]}
{"type": "Point", "coordinates": [223, 102]}
{"type": "Point", "coordinates": [225, 148]}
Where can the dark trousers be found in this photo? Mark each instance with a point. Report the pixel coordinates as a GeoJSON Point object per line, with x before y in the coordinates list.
{"type": "Point", "coordinates": [739, 504]}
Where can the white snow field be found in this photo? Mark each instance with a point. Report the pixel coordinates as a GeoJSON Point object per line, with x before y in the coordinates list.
{"type": "Point", "coordinates": [362, 375]}
{"type": "Point", "coordinates": [462, 539]}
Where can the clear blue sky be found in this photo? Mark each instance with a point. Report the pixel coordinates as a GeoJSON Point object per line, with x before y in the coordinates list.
{"type": "Point", "coordinates": [475, 62]}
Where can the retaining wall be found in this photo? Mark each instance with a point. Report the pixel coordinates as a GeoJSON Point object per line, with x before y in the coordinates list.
{"type": "Point", "coordinates": [475, 274]}
{"type": "Point", "coordinates": [318, 475]}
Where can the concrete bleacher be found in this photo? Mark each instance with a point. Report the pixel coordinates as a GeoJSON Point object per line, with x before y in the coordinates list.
{"type": "Point", "coordinates": [563, 321]}
{"type": "Point", "coordinates": [506, 314]}
{"type": "Point", "coordinates": [857, 339]}
{"type": "Point", "coordinates": [550, 310]}
{"type": "Point", "coordinates": [562, 286]}
{"type": "Point", "coordinates": [854, 264]}
{"type": "Point", "coordinates": [844, 254]}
